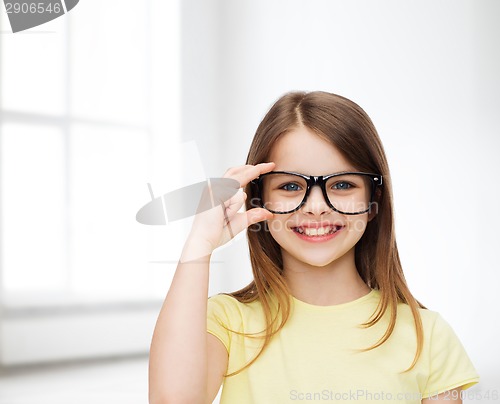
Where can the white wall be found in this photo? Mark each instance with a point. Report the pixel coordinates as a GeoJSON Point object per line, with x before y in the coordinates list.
{"type": "Point", "coordinates": [74, 270]}
{"type": "Point", "coordinates": [427, 74]}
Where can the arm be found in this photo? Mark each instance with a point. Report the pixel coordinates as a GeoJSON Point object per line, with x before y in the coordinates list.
{"type": "Point", "coordinates": [178, 355]}
{"type": "Point", "coordinates": [447, 397]}
{"type": "Point", "coordinates": [217, 365]}
{"type": "Point", "coordinates": [192, 357]}
{"type": "Point", "coordinates": [186, 364]}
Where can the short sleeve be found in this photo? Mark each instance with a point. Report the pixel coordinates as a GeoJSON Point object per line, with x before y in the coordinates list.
{"type": "Point", "coordinates": [450, 366]}
{"type": "Point", "coordinates": [218, 319]}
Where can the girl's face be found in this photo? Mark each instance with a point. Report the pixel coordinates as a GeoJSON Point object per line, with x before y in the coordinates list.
{"type": "Point", "coordinates": [302, 151]}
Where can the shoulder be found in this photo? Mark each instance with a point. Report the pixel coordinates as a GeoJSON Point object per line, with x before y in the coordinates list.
{"type": "Point", "coordinates": [226, 300]}
{"type": "Point", "coordinates": [228, 313]}
{"type": "Point", "coordinates": [428, 317]}
{"type": "Point", "coordinates": [448, 364]}
{"type": "Point", "coordinates": [439, 335]}
{"type": "Point", "coordinates": [405, 317]}
{"type": "Point", "coordinates": [434, 326]}
{"type": "Point", "coordinates": [230, 307]}
{"type": "Point", "coordinates": [436, 329]}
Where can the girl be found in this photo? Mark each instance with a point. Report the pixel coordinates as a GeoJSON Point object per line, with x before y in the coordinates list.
{"type": "Point", "coordinates": [329, 315]}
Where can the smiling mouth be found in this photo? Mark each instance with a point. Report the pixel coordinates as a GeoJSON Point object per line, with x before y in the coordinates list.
{"type": "Point", "coordinates": [316, 232]}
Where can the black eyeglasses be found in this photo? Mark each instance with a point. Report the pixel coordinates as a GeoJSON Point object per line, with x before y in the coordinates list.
{"type": "Point", "coordinates": [349, 193]}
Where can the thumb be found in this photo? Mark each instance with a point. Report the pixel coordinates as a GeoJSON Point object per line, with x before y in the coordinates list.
{"type": "Point", "coordinates": [256, 215]}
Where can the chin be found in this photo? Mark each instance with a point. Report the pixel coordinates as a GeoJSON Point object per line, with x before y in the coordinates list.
{"type": "Point", "coordinates": [316, 260]}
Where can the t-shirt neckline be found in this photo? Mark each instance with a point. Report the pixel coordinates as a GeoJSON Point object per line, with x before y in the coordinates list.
{"type": "Point", "coordinates": [335, 307]}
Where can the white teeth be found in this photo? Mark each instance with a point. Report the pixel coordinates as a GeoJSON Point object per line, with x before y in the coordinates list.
{"type": "Point", "coordinates": [321, 231]}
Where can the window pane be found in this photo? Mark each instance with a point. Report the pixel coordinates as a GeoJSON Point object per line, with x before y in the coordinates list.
{"type": "Point", "coordinates": [109, 78]}
{"type": "Point", "coordinates": [33, 68]}
{"type": "Point", "coordinates": [109, 168]}
{"type": "Point", "coordinates": [33, 208]}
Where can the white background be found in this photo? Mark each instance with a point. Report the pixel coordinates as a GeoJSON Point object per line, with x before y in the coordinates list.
{"type": "Point", "coordinates": [425, 71]}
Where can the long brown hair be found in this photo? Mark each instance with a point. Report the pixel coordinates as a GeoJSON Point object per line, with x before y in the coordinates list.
{"type": "Point", "coordinates": [345, 125]}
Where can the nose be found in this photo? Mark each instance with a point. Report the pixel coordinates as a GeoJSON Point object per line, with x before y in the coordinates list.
{"type": "Point", "coordinates": [315, 203]}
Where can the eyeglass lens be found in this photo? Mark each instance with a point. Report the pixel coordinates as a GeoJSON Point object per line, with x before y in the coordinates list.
{"type": "Point", "coordinates": [349, 193]}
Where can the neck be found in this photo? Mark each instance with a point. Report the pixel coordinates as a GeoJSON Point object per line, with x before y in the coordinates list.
{"type": "Point", "coordinates": [335, 283]}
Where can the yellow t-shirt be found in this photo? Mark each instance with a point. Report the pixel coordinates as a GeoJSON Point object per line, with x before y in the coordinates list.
{"type": "Point", "coordinates": [314, 357]}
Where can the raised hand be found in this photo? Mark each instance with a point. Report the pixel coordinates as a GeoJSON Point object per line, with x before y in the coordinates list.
{"type": "Point", "coordinates": [215, 227]}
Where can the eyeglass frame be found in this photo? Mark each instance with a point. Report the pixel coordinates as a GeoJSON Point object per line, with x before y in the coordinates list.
{"type": "Point", "coordinates": [319, 180]}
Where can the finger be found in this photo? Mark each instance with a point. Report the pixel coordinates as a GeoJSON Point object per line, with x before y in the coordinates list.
{"type": "Point", "coordinates": [244, 174]}
{"type": "Point", "coordinates": [242, 220]}
{"type": "Point", "coordinates": [256, 215]}
{"type": "Point", "coordinates": [239, 169]}
{"type": "Point", "coordinates": [234, 204]}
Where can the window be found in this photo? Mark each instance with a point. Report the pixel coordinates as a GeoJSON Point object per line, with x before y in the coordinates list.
{"type": "Point", "coordinates": [88, 110]}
